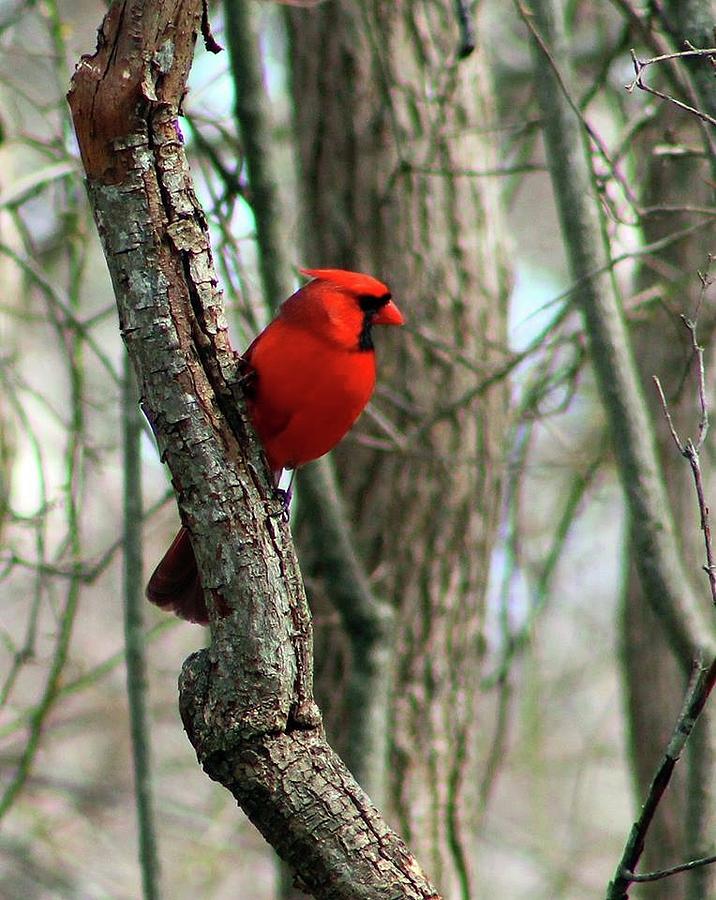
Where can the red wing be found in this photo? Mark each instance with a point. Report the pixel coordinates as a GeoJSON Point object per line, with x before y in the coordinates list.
{"type": "Point", "coordinates": [269, 419]}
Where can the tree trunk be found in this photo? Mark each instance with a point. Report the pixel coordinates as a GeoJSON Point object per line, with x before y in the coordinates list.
{"type": "Point", "coordinates": [389, 124]}
{"type": "Point", "coordinates": [654, 687]}
{"type": "Point", "coordinates": [654, 536]}
{"type": "Point", "coordinates": [247, 700]}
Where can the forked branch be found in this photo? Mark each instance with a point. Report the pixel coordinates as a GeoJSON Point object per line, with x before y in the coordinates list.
{"type": "Point", "coordinates": [640, 65]}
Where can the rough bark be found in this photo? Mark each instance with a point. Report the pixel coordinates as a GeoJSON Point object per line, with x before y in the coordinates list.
{"type": "Point", "coordinates": [389, 122]}
{"type": "Point", "coordinates": [246, 701]}
{"type": "Point", "coordinates": [366, 621]}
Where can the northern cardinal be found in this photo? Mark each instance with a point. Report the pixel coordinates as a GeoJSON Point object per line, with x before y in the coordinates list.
{"type": "Point", "coordinates": [313, 371]}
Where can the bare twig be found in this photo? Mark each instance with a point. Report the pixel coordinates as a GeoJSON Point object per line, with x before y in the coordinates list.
{"type": "Point", "coordinates": [701, 376]}
{"type": "Point", "coordinates": [642, 20]}
{"type": "Point", "coordinates": [667, 414]}
{"type": "Point", "coordinates": [90, 678]}
{"type": "Point", "coordinates": [689, 448]}
{"type": "Point", "coordinates": [698, 693]}
{"type": "Point", "coordinates": [467, 29]}
{"type": "Point", "coordinates": [74, 461]}
{"type": "Point", "coordinates": [659, 560]}
{"type": "Point", "coordinates": [640, 65]}
{"type": "Point", "coordinates": [704, 679]}
{"type": "Point", "coordinates": [556, 63]}
{"type": "Point", "coordinates": [672, 870]}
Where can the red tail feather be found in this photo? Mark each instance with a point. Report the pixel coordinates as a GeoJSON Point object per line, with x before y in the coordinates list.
{"type": "Point", "coordinates": [175, 584]}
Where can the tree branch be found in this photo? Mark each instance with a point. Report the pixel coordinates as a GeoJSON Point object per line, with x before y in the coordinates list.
{"type": "Point", "coordinates": [652, 529]}
{"type": "Point", "coordinates": [641, 64]}
{"type": "Point", "coordinates": [134, 641]}
{"type": "Point", "coordinates": [246, 701]}
{"type": "Point", "coordinates": [698, 693]}
{"type": "Point", "coordinates": [704, 678]}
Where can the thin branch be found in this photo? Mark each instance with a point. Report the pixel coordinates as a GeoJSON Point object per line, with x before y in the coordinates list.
{"type": "Point", "coordinates": [74, 473]}
{"type": "Point", "coordinates": [253, 118]}
{"type": "Point", "coordinates": [570, 293]}
{"type": "Point", "coordinates": [667, 414]}
{"type": "Point", "coordinates": [689, 448]}
{"type": "Point", "coordinates": [658, 556]}
{"type": "Point", "coordinates": [698, 693]}
{"type": "Point", "coordinates": [55, 296]}
{"type": "Point", "coordinates": [643, 20]}
{"type": "Point", "coordinates": [514, 642]}
{"type": "Point", "coordinates": [466, 25]}
{"type": "Point", "coordinates": [27, 651]}
{"type": "Point", "coordinates": [134, 636]}
{"type": "Point", "coordinates": [87, 571]}
{"type": "Point", "coordinates": [640, 65]}
{"type": "Point", "coordinates": [453, 172]}
{"type": "Point", "coordinates": [71, 342]}
{"type": "Point", "coordinates": [672, 870]}
{"type": "Point", "coordinates": [705, 678]}
{"type": "Point", "coordinates": [560, 81]}
{"type": "Point", "coordinates": [89, 678]}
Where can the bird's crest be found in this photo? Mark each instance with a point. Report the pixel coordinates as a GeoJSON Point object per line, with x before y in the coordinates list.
{"type": "Point", "coordinates": [353, 282]}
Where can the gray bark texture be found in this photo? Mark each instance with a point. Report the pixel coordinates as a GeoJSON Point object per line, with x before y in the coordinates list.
{"type": "Point", "coordinates": [391, 124]}
{"type": "Point", "coordinates": [246, 701]}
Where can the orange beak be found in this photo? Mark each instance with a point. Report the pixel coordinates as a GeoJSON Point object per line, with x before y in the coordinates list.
{"type": "Point", "coordinates": [389, 315]}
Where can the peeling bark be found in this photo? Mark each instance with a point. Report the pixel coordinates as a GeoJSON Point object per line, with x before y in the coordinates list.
{"type": "Point", "coordinates": [247, 700]}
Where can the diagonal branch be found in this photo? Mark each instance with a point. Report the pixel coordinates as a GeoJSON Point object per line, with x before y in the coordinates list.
{"type": "Point", "coordinates": [660, 566]}
{"type": "Point", "coordinates": [246, 701]}
{"type": "Point", "coordinates": [697, 695]}
{"type": "Point", "coordinates": [704, 678]}
{"type": "Point", "coordinates": [641, 64]}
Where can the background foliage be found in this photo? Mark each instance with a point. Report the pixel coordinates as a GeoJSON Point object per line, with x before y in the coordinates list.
{"type": "Point", "coordinates": [555, 789]}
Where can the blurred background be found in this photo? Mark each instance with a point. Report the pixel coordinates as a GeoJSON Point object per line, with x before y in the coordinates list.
{"type": "Point", "coordinates": [526, 690]}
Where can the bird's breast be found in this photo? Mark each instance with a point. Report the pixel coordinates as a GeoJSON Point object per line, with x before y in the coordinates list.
{"type": "Point", "coordinates": [308, 394]}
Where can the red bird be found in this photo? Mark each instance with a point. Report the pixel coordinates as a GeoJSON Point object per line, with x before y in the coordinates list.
{"type": "Point", "coordinates": [313, 373]}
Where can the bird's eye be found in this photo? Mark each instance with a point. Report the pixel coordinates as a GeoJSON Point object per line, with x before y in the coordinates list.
{"type": "Point", "coordinates": [371, 303]}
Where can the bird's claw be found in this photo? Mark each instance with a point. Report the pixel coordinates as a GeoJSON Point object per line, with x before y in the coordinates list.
{"type": "Point", "coordinates": [284, 498]}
